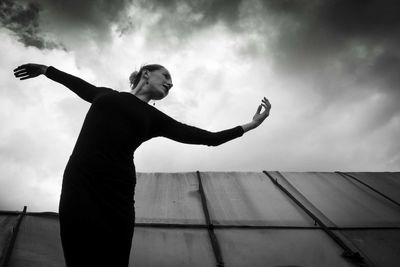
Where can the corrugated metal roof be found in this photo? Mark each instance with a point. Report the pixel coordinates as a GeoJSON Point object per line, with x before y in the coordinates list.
{"type": "Point", "coordinates": [240, 219]}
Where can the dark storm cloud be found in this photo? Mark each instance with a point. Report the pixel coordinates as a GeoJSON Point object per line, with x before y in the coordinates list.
{"type": "Point", "coordinates": [348, 50]}
{"type": "Point", "coordinates": [23, 20]}
{"type": "Point", "coordinates": [182, 19]}
{"type": "Point", "coordinates": [316, 31]}
{"type": "Point", "coordinates": [88, 13]}
{"type": "Point", "coordinates": [211, 10]}
{"type": "Point", "coordinates": [34, 21]}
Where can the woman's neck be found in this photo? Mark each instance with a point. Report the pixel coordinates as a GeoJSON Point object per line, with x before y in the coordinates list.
{"type": "Point", "coordinates": [140, 93]}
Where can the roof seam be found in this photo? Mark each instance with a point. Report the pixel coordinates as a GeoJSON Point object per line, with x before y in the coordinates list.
{"type": "Point", "coordinates": [348, 252]}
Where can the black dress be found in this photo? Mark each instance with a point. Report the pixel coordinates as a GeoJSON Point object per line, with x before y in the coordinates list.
{"type": "Point", "coordinates": [96, 208]}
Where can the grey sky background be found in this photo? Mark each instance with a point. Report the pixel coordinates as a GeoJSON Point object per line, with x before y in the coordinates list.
{"type": "Point", "coordinates": [331, 70]}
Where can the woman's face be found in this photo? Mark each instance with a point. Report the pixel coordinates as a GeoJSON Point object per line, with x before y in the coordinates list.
{"type": "Point", "coordinates": [159, 83]}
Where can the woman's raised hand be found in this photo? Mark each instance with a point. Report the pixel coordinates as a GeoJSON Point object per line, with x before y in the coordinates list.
{"type": "Point", "coordinates": [29, 70]}
{"type": "Point", "coordinates": [260, 117]}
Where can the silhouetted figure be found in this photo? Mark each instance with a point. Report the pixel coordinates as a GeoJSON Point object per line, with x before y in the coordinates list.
{"type": "Point", "coordinates": [96, 208]}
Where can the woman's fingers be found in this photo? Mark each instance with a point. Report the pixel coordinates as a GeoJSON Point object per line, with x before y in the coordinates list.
{"type": "Point", "coordinates": [22, 67]}
{"type": "Point", "coordinates": [20, 73]}
{"type": "Point", "coordinates": [25, 67]}
{"type": "Point", "coordinates": [18, 68]}
{"type": "Point", "coordinates": [266, 104]}
{"type": "Point", "coordinates": [265, 101]}
{"type": "Point", "coordinates": [23, 76]}
{"type": "Point", "coordinates": [258, 109]}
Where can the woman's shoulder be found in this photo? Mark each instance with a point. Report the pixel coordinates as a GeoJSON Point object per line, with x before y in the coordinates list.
{"type": "Point", "coordinates": [107, 90]}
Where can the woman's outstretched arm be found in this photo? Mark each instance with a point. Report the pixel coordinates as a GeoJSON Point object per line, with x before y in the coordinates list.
{"type": "Point", "coordinates": [172, 129]}
{"type": "Point", "coordinates": [83, 89]}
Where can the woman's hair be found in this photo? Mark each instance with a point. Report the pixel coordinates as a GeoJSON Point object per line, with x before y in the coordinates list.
{"type": "Point", "coordinates": [135, 76]}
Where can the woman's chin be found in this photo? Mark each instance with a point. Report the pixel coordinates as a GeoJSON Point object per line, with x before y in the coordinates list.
{"type": "Point", "coordinates": [163, 94]}
{"type": "Point", "coordinates": [160, 96]}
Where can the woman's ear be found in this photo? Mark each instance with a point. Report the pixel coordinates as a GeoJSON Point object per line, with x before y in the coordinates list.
{"type": "Point", "coordinates": [146, 74]}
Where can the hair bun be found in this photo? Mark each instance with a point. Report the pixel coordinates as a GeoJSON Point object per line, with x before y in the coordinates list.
{"type": "Point", "coordinates": [132, 77]}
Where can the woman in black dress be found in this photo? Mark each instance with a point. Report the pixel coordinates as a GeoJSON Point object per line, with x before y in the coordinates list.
{"type": "Point", "coordinates": [96, 208]}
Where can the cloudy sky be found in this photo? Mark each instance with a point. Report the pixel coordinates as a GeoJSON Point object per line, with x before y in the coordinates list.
{"type": "Point", "coordinates": [331, 70]}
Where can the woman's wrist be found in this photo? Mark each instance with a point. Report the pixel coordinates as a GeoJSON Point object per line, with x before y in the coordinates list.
{"type": "Point", "coordinates": [249, 126]}
{"type": "Point", "coordinates": [44, 69]}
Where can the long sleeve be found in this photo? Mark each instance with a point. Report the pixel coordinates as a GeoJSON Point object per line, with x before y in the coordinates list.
{"type": "Point", "coordinates": [172, 129]}
{"type": "Point", "coordinates": [83, 89]}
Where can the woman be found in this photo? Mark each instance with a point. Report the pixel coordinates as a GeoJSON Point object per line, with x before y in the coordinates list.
{"type": "Point", "coordinates": [96, 208]}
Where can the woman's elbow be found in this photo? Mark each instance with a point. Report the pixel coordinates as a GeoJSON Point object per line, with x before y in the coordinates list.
{"type": "Point", "coordinates": [214, 142]}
